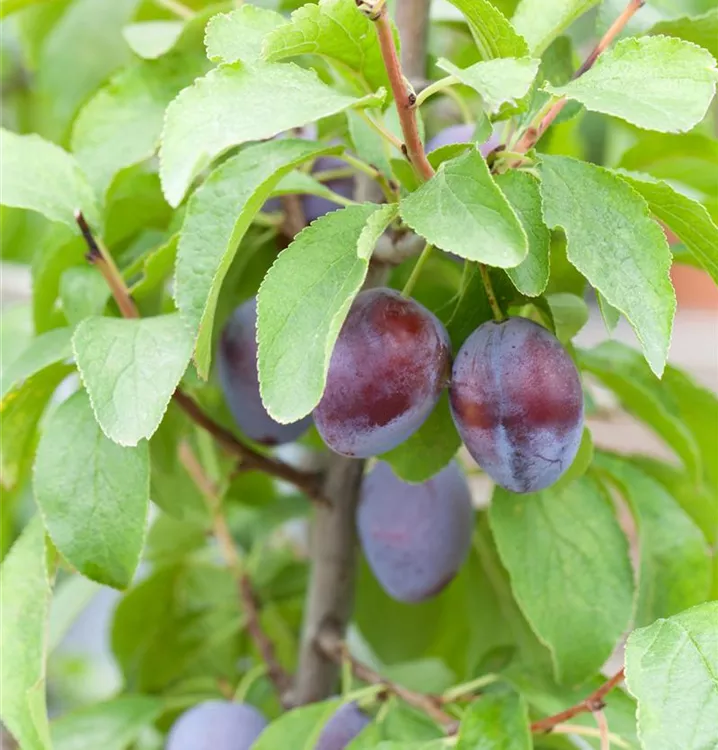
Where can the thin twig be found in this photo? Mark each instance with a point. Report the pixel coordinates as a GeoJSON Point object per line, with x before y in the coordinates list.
{"type": "Point", "coordinates": [276, 673]}
{"type": "Point", "coordinates": [294, 220]}
{"type": "Point", "coordinates": [98, 255]}
{"type": "Point", "coordinates": [307, 482]}
{"type": "Point", "coordinates": [405, 98]}
{"type": "Point", "coordinates": [279, 678]}
{"type": "Point", "coordinates": [604, 734]}
{"type": "Point", "coordinates": [176, 7]}
{"type": "Point", "coordinates": [335, 649]}
{"type": "Point", "coordinates": [582, 731]}
{"type": "Point", "coordinates": [537, 128]}
{"type": "Point", "coordinates": [592, 703]}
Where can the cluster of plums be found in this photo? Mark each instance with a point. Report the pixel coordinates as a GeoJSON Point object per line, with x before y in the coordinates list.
{"type": "Point", "coordinates": [515, 393]}
{"type": "Point", "coordinates": [221, 725]}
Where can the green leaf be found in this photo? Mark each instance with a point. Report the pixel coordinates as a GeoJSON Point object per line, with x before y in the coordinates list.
{"type": "Point", "coordinates": [580, 616]}
{"type": "Point", "coordinates": [84, 292]}
{"type": "Point", "coordinates": [112, 725]}
{"type": "Point", "coordinates": [493, 34]}
{"type": "Point", "coordinates": [156, 268]}
{"type": "Point", "coordinates": [701, 30]}
{"type": "Point", "coordinates": [304, 300]}
{"type": "Point", "coordinates": [500, 81]}
{"type": "Point", "coordinates": [13, 6]}
{"type": "Point", "coordinates": [131, 369]}
{"type": "Point", "coordinates": [462, 211]}
{"type": "Point", "coordinates": [671, 669]}
{"type": "Point", "coordinates": [581, 464]}
{"type": "Point", "coordinates": [93, 494]}
{"type": "Point", "coordinates": [522, 192]}
{"type": "Point", "coordinates": [152, 39]}
{"type": "Point", "coordinates": [609, 314]}
{"type": "Point", "coordinates": [689, 158]}
{"type": "Point", "coordinates": [235, 36]}
{"type": "Point", "coordinates": [299, 728]}
{"type": "Point", "coordinates": [217, 217]}
{"type": "Point", "coordinates": [657, 83]}
{"type": "Point", "coordinates": [675, 564]}
{"type": "Point", "coordinates": [499, 721]}
{"type": "Point", "coordinates": [685, 217]}
{"type": "Point", "coordinates": [570, 314]}
{"type": "Point", "coordinates": [41, 176]}
{"type": "Point", "coordinates": [697, 499]}
{"type": "Point", "coordinates": [43, 351]}
{"type": "Point", "coordinates": [180, 622]}
{"type": "Point", "coordinates": [20, 412]}
{"type": "Point", "coordinates": [80, 52]}
{"type": "Point", "coordinates": [212, 115]}
{"type": "Point", "coordinates": [25, 591]}
{"type": "Point", "coordinates": [129, 113]}
{"type": "Point", "coordinates": [540, 23]}
{"type": "Point", "coordinates": [623, 370]}
{"type": "Point", "coordinates": [616, 245]}
{"type": "Point", "coordinates": [429, 449]}
{"type": "Point", "coordinates": [333, 29]}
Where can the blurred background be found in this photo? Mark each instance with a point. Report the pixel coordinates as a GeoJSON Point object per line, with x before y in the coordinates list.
{"type": "Point", "coordinates": [55, 55]}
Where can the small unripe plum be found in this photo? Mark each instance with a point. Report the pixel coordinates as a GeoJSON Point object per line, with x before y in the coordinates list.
{"type": "Point", "coordinates": [463, 133]}
{"type": "Point", "coordinates": [342, 728]}
{"type": "Point", "coordinates": [216, 725]}
{"type": "Point", "coordinates": [312, 205]}
{"type": "Point", "coordinates": [389, 366]}
{"type": "Point", "coordinates": [237, 369]}
{"type": "Point", "coordinates": [517, 402]}
{"type": "Point", "coordinates": [415, 536]}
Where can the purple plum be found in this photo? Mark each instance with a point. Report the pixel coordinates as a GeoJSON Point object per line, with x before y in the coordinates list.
{"type": "Point", "coordinates": [237, 369]}
{"type": "Point", "coordinates": [517, 402]}
{"type": "Point", "coordinates": [217, 725]}
{"type": "Point", "coordinates": [415, 536]}
{"type": "Point", "coordinates": [390, 363]}
{"type": "Point", "coordinates": [342, 728]}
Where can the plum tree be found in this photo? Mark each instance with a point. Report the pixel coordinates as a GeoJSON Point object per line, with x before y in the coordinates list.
{"type": "Point", "coordinates": [462, 133]}
{"type": "Point", "coordinates": [389, 366]}
{"type": "Point", "coordinates": [342, 728]}
{"type": "Point", "coordinates": [314, 206]}
{"type": "Point", "coordinates": [415, 536]}
{"type": "Point", "coordinates": [237, 369]}
{"type": "Point", "coordinates": [217, 725]}
{"type": "Point", "coordinates": [517, 402]}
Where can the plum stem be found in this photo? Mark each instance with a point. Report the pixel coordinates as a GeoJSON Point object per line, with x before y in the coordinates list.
{"type": "Point", "coordinates": [490, 294]}
{"type": "Point", "coordinates": [592, 703]}
{"type": "Point", "coordinates": [416, 271]}
{"type": "Point", "coordinates": [546, 116]}
{"type": "Point", "coordinates": [387, 135]}
{"type": "Point", "coordinates": [403, 96]}
{"type": "Point", "coordinates": [335, 649]}
{"type": "Point", "coordinates": [307, 482]}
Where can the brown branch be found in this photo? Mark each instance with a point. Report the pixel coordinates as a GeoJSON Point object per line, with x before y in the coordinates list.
{"type": "Point", "coordinates": [535, 131]}
{"type": "Point", "coordinates": [279, 678]}
{"type": "Point", "coordinates": [403, 96]}
{"type": "Point", "coordinates": [592, 704]}
{"type": "Point", "coordinates": [332, 646]}
{"type": "Point", "coordinates": [307, 482]}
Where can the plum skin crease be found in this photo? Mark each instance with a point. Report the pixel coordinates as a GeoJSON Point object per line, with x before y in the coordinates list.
{"type": "Point", "coordinates": [517, 403]}
{"type": "Point", "coordinates": [217, 725]}
{"type": "Point", "coordinates": [415, 537]}
{"type": "Point", "coordinates": [237, 371]}
{"type": "Point", "coordinates": [388, 368]}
